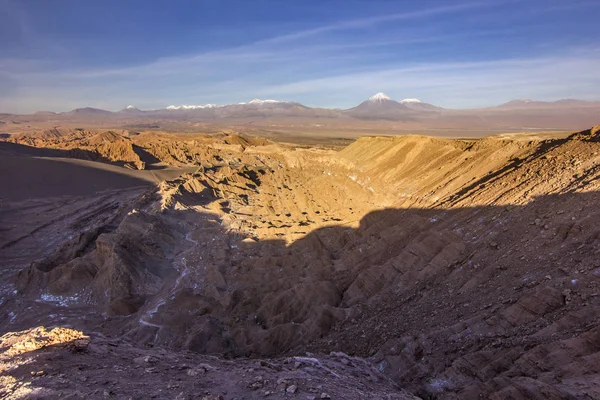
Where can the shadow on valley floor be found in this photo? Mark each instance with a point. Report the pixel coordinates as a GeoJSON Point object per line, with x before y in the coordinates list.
{"type": "Point", "coordinates": [28, 172]}
{"type": "Point", "coordinates": [432, 295]}
{"type": "Point", "coordinates": [20, 150]}
{"type": "Point", "coordinates": [150, 160]}
{"type": "Point", "coordinates": [17, 149]}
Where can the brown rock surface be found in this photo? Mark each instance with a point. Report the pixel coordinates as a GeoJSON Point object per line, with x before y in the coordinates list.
{"type": "Point", "coordinates": [64, 363]}
{"type": "Point", "coordinates": [460, 268]}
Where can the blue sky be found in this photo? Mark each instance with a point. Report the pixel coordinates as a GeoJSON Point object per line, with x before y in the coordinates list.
{"type": "Point", "coordinates": [62, 54]}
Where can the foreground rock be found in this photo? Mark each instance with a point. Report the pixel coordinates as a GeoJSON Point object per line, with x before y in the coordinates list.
{"type": "Point", "coordinates": [64, 363]}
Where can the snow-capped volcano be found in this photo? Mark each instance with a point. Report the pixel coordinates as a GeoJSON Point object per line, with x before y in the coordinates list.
{"type": "Point", "coordinates": [382, 106]}
{"type": "Point", "coordinates": [131, 110]}
{"type": "Point", "coordinates": [379, 97]}
{"type": "Point", "coordinates": [379, 106]}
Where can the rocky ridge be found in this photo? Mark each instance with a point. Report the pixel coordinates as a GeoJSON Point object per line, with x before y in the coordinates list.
{"type": "Point", "coordinates": [460, 268]}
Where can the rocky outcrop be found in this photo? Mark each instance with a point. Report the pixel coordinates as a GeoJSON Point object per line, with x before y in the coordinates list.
{"type": "Point", "coordinates": [32, 364]}
{"type": "Point", "coordinates": [459, 268]}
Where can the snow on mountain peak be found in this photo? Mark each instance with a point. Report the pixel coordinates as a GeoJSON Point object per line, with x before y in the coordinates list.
{"type": "Point", "coordinates": [410, 101]}
{"type": "Point", "coordinates": [130, 107]}
{"type": "Point", "coordinates": [260, 102]}
{"type": "Point", "coordinates": [191, 106]}
{"type": "Point", "coordinates": [379, 97]}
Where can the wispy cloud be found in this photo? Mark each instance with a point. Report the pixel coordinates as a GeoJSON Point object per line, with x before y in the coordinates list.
{"type": "Point", "coordinates": [246, 56]}
{"type": "Point", "coordinates": [374, 20]}
{"type": "Point", "coordinates": [328, 65]}
{"type": "Point", "coordinates": [262, 50]}
{"type": "Point", "coordinates": [572, 5]}
{"type": "Point", "coordinates": [467, 84]}
{"type": "Point", "coordinates": [449, 84]}
{"type": "Point", "coordinates": [16, 16]}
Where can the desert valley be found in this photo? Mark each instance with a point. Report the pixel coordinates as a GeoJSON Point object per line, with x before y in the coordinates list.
{"type": "Point", "coordinates": [394, 250]}
{"type": "Point", "coordinates": [301, 200]}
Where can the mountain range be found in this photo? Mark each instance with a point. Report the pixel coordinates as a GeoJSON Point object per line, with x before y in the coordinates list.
{"type": "Point", "coordinates": [516, 114]}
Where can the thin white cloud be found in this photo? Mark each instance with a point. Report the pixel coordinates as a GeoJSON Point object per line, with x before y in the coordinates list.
{"type": "Point", "coordinates": [215, 62]}
{"type": "Point", "coordinates": [468, 84]}
{"type": "Point", "coordinates": [16, 16]}
{"type": "Point", "coordinates": [572, 5]}
{"type": "Point", "coordinates": [374, 20]}
{"type": "Point", "coordinates": [327, 72]}
{"type": "Point", "coordinates": [448, 84]}
{"type": "Point", "coordinates": [262, 50]}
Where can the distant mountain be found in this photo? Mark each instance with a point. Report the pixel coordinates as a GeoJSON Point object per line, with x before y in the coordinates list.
{"type": "Point", "coordinates": [381, 106]}
{"type": "Point", "coordinates": [88, 112]}
{"type": "Point", "coordinates": [418, 105]}
{"type": "Point", "coordinates": [131, 108]}
{"type": "Point", "coordinates": [258, 104]}
{"type": "Point", "coordinates": [252, 104]}
{"type": "Point", "coordinates": [275, 103]}
{"type": "Point", "coordinates": [574, 102]}
{"type": "Point", "coordinates": [379, 98]}
{"type": "Point", "coordinates": [531, 104]}
{"type": "Point", "coordinates": [253, 109]}
{"type": "Point", "coordinates": [514, 115]}
{"type": "Point", "coordinates": [191, 107]}
{"type": "Point", "coordinates": [131, 111]}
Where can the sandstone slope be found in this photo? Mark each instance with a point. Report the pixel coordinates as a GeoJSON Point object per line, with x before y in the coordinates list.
{"type": "Point", "coordinates": [460, 268]}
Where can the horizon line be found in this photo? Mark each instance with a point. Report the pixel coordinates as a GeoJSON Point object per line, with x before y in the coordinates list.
{"type": "Point", "coordinates": [194, 107]}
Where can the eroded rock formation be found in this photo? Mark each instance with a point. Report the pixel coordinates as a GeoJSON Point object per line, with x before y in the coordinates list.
{"type": "Point", "coordinates": [460, 268]}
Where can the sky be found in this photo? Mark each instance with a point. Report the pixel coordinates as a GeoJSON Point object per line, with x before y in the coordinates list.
{"type": "Point", "coordinates": [64, 54]}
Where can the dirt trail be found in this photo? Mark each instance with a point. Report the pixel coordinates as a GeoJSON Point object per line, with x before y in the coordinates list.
{"type": "Point", "coordinates": [459, 268]}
